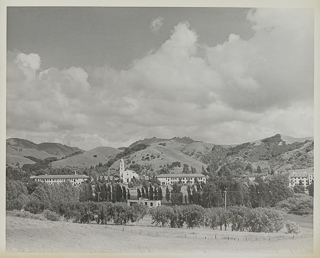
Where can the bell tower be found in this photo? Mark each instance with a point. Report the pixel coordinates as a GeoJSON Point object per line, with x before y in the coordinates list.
{"type": "Point", "coordinates": [121, 168]}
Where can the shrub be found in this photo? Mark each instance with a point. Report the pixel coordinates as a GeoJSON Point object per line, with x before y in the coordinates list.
{"type": "Point", "coordinates": [35, 207]}
{"type": "Point", "coordinates": [292, 227]}
{"type": "Point", "coordinates": [161, 214]}
{"type": "Point", "coordinates": [18, 203]}
{"type": "Point", "coordinates": [274, 221]}
{"type": "Point", "coordinates": [50, 215]}
{"type": "Point", "coordinates": [237, 216]}
{"type": "Point", "coordinates": [300, 204]}
{"type": "Point", "coordinates": [177, 218]}
{"type": "Point", "coordinates": [193, 215]}
{"type": "Point", "coordinates": [137, 212]}
{"type": "Point", "coordinates": [121, 213]}
{"type": "Point", "coordinates": [211, 219]}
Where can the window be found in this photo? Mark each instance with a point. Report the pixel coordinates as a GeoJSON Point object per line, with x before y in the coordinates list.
{"type": "Point", "coordinates": [151, 203]}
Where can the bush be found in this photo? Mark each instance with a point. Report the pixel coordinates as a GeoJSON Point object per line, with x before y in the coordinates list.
{"type": "Point", "coordinates": [193, 215]}
{"type": "Point", "coordinates": [121, 213]}
{"type": "Point", "coordinates": [50, 215]}
{"type": "Point", "coordinates": [243, 218]}
{"type": "Point", "coordinates": [292, 227]}
{"type": "Point", "coordinates": [35, 207]}
{"type": "Point", "coordinates": [177, 218]}
{"type": "Point", "coordinates": [18, 203]}
{"type": "Point", "coordinates": [137, 212]}
{"type": "Point", "coordinates": [161, 214]}
{"type": "Point", "coordinates": [237, 216]}
{"type": "Point", "coordinates": [300, 204]}
{"type": "Point", "coordinates": [264, 220]}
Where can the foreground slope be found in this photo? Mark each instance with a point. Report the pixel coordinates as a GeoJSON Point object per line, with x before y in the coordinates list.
{"type": "Point", "coordinates": [29, 235]}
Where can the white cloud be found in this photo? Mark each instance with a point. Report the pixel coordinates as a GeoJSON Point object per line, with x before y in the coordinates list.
{"type": "Point", "coordinates": [238, 91]}
{"type": "Point", "coordinates": [156, 24]}
{"type": "Point", "coordinates": [31, 60]}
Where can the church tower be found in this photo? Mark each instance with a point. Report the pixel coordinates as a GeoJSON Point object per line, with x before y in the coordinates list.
{"type": "Point", "coordinates": [121, 168]}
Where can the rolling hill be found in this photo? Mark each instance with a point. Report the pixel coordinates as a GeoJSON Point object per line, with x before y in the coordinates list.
{"type": "Point", "coordinates": [88, 158]}
{"type": "Point", "coordinates": [278, 152]}
{"type": "Point", "coordinates": [18, 151]}
{"type": "Point", "coordinates": [155, 157]}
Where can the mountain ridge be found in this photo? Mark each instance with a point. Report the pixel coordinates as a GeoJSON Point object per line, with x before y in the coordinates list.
{"type": "Point", "coordinates": [277, 152]}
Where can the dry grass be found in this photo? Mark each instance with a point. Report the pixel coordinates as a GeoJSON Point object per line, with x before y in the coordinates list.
{"type": "Point", "coordinates": [87, 159]}
{"type": "Point", "coordinates": [29, 235]}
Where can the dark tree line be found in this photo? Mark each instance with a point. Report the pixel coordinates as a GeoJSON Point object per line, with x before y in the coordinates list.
{"type": "Point", "coordinates": [151, 192]}
{"type": "Point", "coordinates": [262, 192]}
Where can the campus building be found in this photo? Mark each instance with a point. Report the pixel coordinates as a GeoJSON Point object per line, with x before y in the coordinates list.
{"type": "Point", "coordinates": [169, 179]}
{"type": "Point", "coordinates": [127, 175]}
{"type": "Point", "coordinates": [75, 179]}
{"type": "Point", "coordinates": [146, 202]}
{"type": "Point", "coordinates": [303, 177]}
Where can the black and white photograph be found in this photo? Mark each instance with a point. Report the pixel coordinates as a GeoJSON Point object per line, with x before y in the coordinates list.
{"type": "Point", "coordinates": [160, 129]}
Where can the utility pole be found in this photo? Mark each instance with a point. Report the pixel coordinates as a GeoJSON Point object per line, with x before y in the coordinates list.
{"type": "Point", "coordinates": [225, 198]}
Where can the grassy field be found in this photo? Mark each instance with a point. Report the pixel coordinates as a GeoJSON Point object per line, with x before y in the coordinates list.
{"type": "Point", "coordinates": [30, 235]}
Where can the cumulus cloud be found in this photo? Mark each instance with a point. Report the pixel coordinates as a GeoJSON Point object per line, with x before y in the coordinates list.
{"type": "Point", "coordinates": [237, 91]}
{"type": "Point", "coordinates": [156, 24]}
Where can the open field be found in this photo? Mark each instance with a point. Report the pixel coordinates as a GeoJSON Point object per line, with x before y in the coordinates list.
{"type": "Point", "coordinates": [30, 235]}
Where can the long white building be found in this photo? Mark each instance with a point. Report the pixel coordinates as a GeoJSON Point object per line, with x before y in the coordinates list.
{"type": "Point", "coordinates": [75, 180]}
{"type": "Point", "coordinates": [169, 179]}
{"type": "Point", "coordinates": [303, 176]}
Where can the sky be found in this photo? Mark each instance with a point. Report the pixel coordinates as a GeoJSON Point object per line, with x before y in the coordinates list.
{"type": "Point", "coordinates": [107, 76]}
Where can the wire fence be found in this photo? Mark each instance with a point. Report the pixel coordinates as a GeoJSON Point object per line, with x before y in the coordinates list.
{"type": "Point", "coordinates": [210, 236]}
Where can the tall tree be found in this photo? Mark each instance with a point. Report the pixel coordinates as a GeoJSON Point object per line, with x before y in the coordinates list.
{"type": "Point", "coordinates": [160, 197]}
{"type": "Point", "coordinates": [151, 193]}
{"type": "Point", "coordinates": [124, 193]}
{"type": "Point", "coordinates": [143, 195]}
{"type": "Point", "coordinates": [176, 195]}
{"type": "Point", "coordinates": [118, 194]}
{"type": "Point", "coordinates": [310, 188]}
{"type": "Point", "coordinates": [139, 193]}
{"type": "Point", "coordinates": [185, 169]}
{"type": "Point", "coordinates": [167, 194]}
{"type": "Point", "coordinates": [128, 194]}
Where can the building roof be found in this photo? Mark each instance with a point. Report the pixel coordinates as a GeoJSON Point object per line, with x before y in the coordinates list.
{"type": "Point", "coordinates": [180, 175]}
{"type": "Point", "coordinates": [132, 171]}
{"type": "Point", "coordinates": [61, 177]}
{"type": "Point", "coordinates": [301, 171]}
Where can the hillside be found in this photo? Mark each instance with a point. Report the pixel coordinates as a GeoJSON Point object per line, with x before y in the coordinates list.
{"type": "Point", "coordinates": [18, 151]}
{"type": "Point", "coordinates": [156, 157]}
{"type": "Point", "coordinates": [277, 152]}
{"type": "Point", "coordinates": [177, 140]}
{"type": "Point", "coordinates": [88, 158]}
{"type": "Point", "coordinates": [58, 149]}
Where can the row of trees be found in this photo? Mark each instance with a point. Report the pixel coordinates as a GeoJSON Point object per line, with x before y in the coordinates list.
{"type": "Point", "coordinates": [151, 193]}
{"type": "Point", "coordinates": [239, 218]}
{"type": "Point", "coordinates": [262, 192]}
{"type": "Point", "coordinates": [19, 194]}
